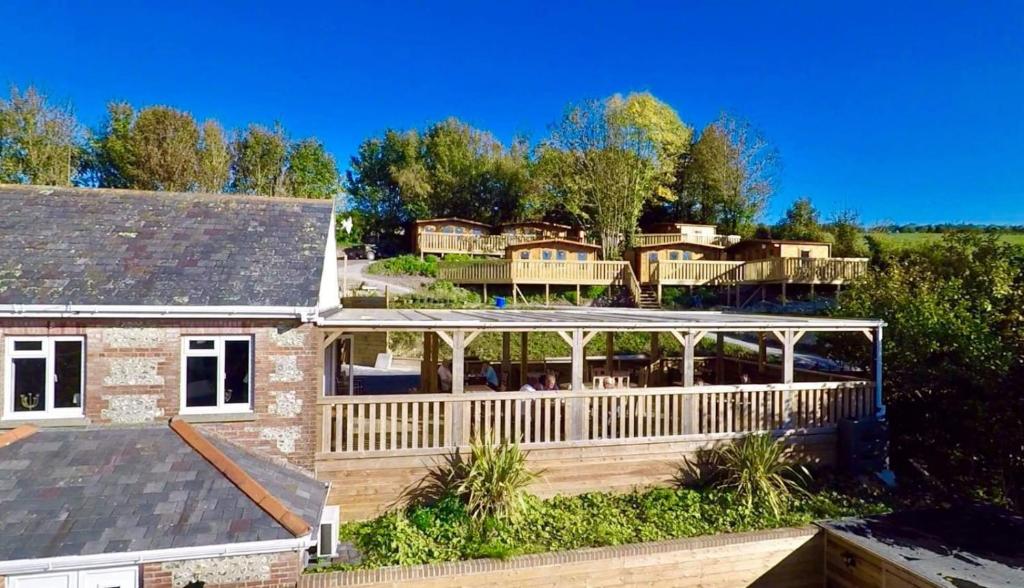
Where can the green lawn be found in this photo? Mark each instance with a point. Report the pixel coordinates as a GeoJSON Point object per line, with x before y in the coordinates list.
{"type": "Point", "coordinates": [911, 239]}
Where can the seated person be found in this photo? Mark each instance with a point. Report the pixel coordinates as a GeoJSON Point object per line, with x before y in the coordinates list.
{"type": "Point", "coordinates": [444, 375]}
{"type": "Point", "coordinates": [549, 382]}
{"type": "Point", "coordinates": [488, 373]}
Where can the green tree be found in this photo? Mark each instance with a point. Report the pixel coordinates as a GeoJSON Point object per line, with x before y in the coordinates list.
{"type": "Point", "coordinates": [953, 364]}
{"type": "Point", "coordinates": [214, 163]}
{"type": "Point", "coordinates": [259, 159]}
{"type": "Point", "coordinates": [450, 169]}
{"type": "Point", "coordinates": [156, 148]}
{"type": "Point", "coordinates": [727, 176]}
{"type": "Point", "coordinates": [607, 158]}
{"type": "Point", "coordinates": [39, 142]}
{"type": "Point", "coordinates": [847, 235]}
{"type": "Point", "coordinates": [802, 222]}
{"type": "Point", "coordinates": [164, 145]}
{"type": "Point", "coordinates": [312, 172]}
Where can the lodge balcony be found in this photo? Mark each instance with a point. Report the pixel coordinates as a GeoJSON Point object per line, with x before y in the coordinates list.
{"type": "Point", "coordinates": [468, 244]}
{"type": "Point", "coordinates": [646, 239]}
{"type": "Point", "coordinates": [613, 420]}
{"type": "Point", "coordinates": [777, 270]}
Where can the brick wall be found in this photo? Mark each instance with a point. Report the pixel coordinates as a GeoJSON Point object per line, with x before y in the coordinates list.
{"type": "Point", "coordinates": [133, 376]}
{"type": "Point", "coordinates": [248, 571]}
{"type": "Point", "coordinates": [784, 557]}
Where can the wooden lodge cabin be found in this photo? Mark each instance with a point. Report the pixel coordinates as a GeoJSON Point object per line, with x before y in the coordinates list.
{"type": "Point", "coordinates": [646, 258]}
{"type": "Point", "coordinates": [670, 232]}
{"type": "Point", "coordinates": [753, 249]}
{"type": "Point", "coordinates": [553, 250]}
{"type": "Point", "coordinates": [442, 236]}
{"type": "Point", "coordinates": [539, 230]}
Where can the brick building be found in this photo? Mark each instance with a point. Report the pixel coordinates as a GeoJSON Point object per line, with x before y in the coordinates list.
{"type": "Point", "coordinates": [122, 310]}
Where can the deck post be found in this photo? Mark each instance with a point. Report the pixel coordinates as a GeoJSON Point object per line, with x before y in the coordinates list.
{"type": "Point", "coordinates": [547, 294]}
{"type": "Point", "coordinates": [762, 352]}
{"type": "Point", "coordinates": [720, 355]}
{"type": "Point", "coordinates": [576, 415]}
{"type": "Point", "coordinates": [879, 403]}
{"type": "Point", "coordinates": [783, 292]}
{"type": "Point", "coordinates": [486, 299]}
{"type": "Point", "coordinates": [460, 416]}
{"type": "Point", "coordinates": [688, 355]}
{"type": "Point", "coordinates": [506, 360]}
{"type": "Point", "coordinates": [655, 369]}
{"type": "Point", "coordinates": [578, 301]}
{"type": "Point", "coordinates": [609, 352]}
{"type": "Point", "coordinates": [789, 339]}
{"type": "Point", "coordinates": [523, 357]}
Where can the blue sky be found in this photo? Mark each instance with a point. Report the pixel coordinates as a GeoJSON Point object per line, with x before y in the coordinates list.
{"type": "Point", "coordinates": [908, 113]}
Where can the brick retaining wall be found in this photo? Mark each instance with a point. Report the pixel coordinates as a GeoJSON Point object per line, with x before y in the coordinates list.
{"type": "Point", "coordinates": [790, 557]}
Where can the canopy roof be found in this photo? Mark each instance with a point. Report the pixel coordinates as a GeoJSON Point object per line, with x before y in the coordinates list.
{"type": "Point", "coordinates": [594, 319]}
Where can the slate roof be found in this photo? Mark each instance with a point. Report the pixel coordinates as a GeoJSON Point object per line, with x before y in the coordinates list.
{"type": "Point", "coordinates": [92, 491]}
{"type": "Point", "coordinates": [117, 247]}
{"type": "Point", "coordinates": [977, 546]}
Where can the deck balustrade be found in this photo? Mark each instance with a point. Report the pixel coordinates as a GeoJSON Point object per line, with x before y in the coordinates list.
{"type": "Point", "coordinates": [414, 423]}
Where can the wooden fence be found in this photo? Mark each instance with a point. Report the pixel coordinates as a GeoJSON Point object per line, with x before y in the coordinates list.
{"type": "Point", "coordinates": [535, 272]}
{"type": "Point", "coordinates": [444, 243]}
{"type": "Point", "coordinates": [645, 239]}
{"type": "Point", "coordinates": [411, 423]}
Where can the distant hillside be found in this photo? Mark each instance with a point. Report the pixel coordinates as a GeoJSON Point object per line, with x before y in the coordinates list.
{"type": "Point", "coordinates": [909, 239]}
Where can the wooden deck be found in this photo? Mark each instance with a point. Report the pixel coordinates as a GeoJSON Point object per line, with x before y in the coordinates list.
{"type": "Point", "coordinates": [645, 239]}
{"type": "Point", "coordinates": [452, 243]}
{"type": "Point", "coordinates": [665, 273]}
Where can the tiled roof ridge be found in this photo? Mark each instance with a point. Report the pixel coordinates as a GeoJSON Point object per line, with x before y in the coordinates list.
{"type": "Point", "coordinates": [16, 434]}
{"type": "Point", "coordinates": [242, 480]}
{"type": "Point", "coordinates": [44, 189]}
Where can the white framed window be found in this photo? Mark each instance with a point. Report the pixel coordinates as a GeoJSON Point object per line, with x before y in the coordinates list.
{"type": "Point", "coordinates": [216, 374]}
{"type": "Point", "coordinates": [524, 255]}
{"type": "Point", "coordinates": [546, 255]}
{"type": "Point", "coordinates": [561, 255]}
{"type": "Point", "coordinates": [673, 256]}
{"type": "Point", "coordinates": [45, 377]}
{"type": "Point", "coordinates": [581, 256]}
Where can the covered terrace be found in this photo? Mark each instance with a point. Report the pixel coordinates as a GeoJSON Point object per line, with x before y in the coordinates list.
{"type": "Point", "coordinates": [599, 398]}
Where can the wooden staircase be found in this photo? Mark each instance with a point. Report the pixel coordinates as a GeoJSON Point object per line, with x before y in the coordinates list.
{"type": "Point", "coordinates": [648, 298]}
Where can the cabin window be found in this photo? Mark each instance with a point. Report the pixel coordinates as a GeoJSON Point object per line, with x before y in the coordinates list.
{"type": "Point", "coordinates": [524, 254]}
{"type": "Point", "coordinates": [430, 229]}
{"type": "Point", "coordinates": [581, 256]}
{"type": "Point", "coordinates": [673, 255]}
{"type": "Point", "coordinates": [546, 255]}
{"type": "Point", "coordinates": [652, 256]}
{"type": "Point", "coordinates": [476, 232]}
{"type": "Point", "coordinates": [687, 255]}
{"type": "Point", "coordinates": [460, 230]}
{"type": "Point", "coordinates": [217, 374]}
{"type": "Point", "coordinates": [448, 229]}
{"type": "Point", "coordinates": [45, 377]}
{"type": "Point", "coordinates": [805, 253]}
{"type": "Point", "coordinates": [561, 255]}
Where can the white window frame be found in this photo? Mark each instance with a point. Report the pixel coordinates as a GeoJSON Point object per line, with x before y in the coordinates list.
{"type": "Point", "coordinates": [47, 353]}
{"type": "Point", "coordinates": [331, 518]}
{"type": "Point", "coordinates": [218, 352]}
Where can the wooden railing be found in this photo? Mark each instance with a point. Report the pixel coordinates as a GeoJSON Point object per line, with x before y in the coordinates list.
{"type": "Point", "coordinates": [644, 239]}
{"type": "Point", "coordinates": [535, 272]}
{"type": "Point", "coordinates": [799, 270]}
{"type": "Point", "coordinates": [469, 243]}
{"type": "Point", "coordinates": [696, 272]}
{"type": "Point", "coordinates": [411, 423]}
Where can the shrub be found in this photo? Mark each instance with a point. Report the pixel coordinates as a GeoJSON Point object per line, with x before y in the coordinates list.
{"type": "Point", "coordinates": [445, 531]}
{"type": "Point", "coordinates": [494, 480]}
{"type": "Point", "coordinates": [758, 469]}
{"type": "Point", "coordinates": [405, 265]}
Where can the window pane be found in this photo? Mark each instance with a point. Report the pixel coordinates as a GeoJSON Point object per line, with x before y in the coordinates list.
{"type": "Point", "coordinates": [67, 367]}
{"type": "Point", "coordinates": [205, 344]}
{"type": "Point", "coordinates": [201, 381]}
{"type": "Point", "coordinates": [28, 345]}
{"type": "Point", "coordinates": [236, 372]}
{"type": "Point", "coordinates": [29, 384]}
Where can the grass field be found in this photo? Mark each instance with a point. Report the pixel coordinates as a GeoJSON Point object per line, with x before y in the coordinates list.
{"type": "Point", "coordinates": [912, 239]}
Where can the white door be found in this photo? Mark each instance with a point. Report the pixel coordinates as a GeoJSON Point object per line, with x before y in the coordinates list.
{"type": "Point", "coordinates": [107, 578]}
{"type": "Point", "coordinates": [112, 578]}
